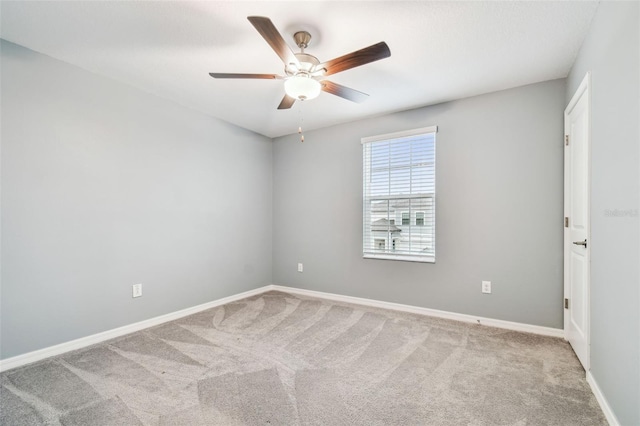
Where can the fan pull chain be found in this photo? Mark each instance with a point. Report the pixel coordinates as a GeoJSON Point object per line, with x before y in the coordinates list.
{"type": "Point", "coordinates": [300, 126]}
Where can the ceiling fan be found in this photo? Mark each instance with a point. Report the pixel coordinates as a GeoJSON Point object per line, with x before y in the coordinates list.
{"type": "Point", "coordinates": [304, 73]}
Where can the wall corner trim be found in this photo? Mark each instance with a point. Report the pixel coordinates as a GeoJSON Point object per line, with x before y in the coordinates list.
{"type": "Point", "coordinates": [509, 325]}
{"type": "Point", "coordinates": [604, 404]}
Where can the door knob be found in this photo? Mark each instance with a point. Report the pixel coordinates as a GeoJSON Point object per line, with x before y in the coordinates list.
{"type": "Point", "coordinates": [581, 243]}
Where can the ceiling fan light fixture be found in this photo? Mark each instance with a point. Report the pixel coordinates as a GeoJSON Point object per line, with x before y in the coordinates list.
{"type": "Point", "coordinates": [302, 87]}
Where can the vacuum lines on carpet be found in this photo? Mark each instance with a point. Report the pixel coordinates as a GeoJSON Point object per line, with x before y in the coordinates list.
{"type": "Point", "coordinates": [279, 359]}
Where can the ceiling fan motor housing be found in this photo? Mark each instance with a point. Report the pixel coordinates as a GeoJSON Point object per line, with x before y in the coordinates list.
{"type": "Point", "coordinates": [301, 83]}
{"type": "Point", "coordinates": [307, 64]}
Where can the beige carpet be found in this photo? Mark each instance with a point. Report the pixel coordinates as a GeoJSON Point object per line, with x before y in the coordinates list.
{"type": "Point", "coordinates": [278, 359]}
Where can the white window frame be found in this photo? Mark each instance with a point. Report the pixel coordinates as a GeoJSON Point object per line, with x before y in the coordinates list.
{"type": "Point", "coordinates": [391, 256]}
{"type": "Point", "coordinates": [402, 216]}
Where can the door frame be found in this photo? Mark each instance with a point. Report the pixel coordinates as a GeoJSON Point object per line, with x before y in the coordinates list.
{"type": "Point", "coordinates": [584, 89]}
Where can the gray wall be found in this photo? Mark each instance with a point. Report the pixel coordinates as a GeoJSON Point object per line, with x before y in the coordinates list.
{"type": "Point", "coordinates": [499, 209]}
{"type": "Point", "coordinates": [104, 186]}
{"type": "Point", "coordinates": [611, 52]}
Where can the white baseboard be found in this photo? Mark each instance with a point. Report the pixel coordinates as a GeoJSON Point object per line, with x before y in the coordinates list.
{"type": "Point", "coordinates": [20, 360]}
{"type": "Point", "coordinates": [516, 326]}
{"type": "Point", "coordinates": [604, 404]}
{"type": "Point", "coordinates": [29, 357]}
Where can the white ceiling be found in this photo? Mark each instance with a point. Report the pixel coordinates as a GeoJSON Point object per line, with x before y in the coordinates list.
{"type": "Point", "coordinates": [439, 50]}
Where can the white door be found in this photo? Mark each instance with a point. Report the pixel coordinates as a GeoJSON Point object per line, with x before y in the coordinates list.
{"type": "Point", "coordinates": [576, 231]}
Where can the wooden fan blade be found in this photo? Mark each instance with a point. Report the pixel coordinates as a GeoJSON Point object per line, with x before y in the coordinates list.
{"type": "Point", "coordinates": [269, 32]}
{"type": "Point", "coordinates": [355, 59]}
{"type": "Point", "coordinates": [232, 75]}
{"type": "Point", "coordinates": [287, 102]}
{"type": "Point", "coordinates": [343, 91]}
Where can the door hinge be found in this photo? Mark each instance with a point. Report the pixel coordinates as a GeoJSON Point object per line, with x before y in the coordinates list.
{"type": "Point", "coordinates": [566, 139]}
{"type": "Point", "coordinates": [566, 222]}
{"type": "Point", "coordinates": [566, 303]}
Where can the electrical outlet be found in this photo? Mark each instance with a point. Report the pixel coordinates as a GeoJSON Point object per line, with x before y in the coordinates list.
{"type": "Point", "coordinates": [300, 267]}
{"type": "Point", "coordinates": [486, 286]}
{"type": "Point", "coordinates": [137, 290]}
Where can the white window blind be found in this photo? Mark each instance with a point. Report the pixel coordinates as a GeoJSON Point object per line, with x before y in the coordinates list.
{"type": "Point", "coordinates": [399, 190]}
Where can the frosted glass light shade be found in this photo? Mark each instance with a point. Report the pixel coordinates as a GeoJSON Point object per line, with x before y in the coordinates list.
{"type": "Point", "coordinates": [302, 87]}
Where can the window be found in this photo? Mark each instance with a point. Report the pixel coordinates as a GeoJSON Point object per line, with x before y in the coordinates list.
{"type": "Point", "coordinates": [398, 190]}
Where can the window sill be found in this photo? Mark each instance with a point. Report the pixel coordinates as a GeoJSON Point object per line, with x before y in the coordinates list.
{"type": "Point", "coordinates": [400, 257]}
